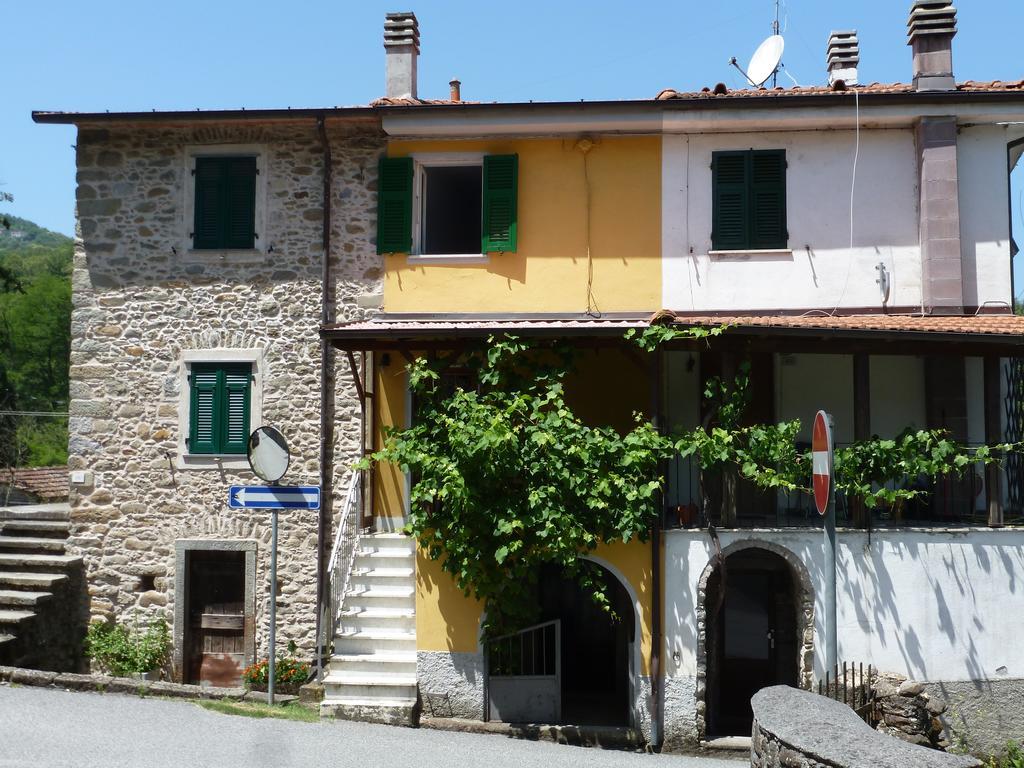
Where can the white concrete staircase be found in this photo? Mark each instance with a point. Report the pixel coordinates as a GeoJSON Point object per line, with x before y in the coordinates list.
{"type": "Point", "coordinates": [372, 672]}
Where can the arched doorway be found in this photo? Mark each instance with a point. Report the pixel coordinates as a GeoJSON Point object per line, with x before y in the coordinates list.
{"type": "Point", "coordinates": [577, 664]}
{"type": "Point", "coordinates": [596, 647]}
{"type": "Point", "coordinates": [756, 609]}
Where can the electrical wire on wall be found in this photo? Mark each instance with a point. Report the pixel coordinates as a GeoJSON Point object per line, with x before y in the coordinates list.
{"type": "Point", "coordinates": [853, 192]}
{"type": "Point", "coordinates": [585, 145]}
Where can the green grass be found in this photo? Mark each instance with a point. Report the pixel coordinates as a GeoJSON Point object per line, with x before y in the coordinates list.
{"type": "Point", "coordinates": [255, 709]}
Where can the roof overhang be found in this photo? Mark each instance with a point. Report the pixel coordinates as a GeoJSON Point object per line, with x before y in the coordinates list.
{"type": "Point", "coordinates": [976, 335]}
{"type": "Point", "coordinates": [688, 113]}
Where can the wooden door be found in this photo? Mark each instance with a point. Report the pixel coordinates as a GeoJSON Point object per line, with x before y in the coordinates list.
{"type": "Point", "coordinates": [216, 618]}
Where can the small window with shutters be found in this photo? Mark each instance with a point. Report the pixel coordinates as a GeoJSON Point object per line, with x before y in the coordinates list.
{"type": "Point", "coordinates": [449, 205]}
{"type": "Point", "coordinates": [749, 200]}
{"type": "Point", "coordinates": [225, 200]}
{"type": "Point", "coordinates": [219, 405]}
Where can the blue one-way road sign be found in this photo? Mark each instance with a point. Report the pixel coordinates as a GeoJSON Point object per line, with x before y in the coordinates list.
{"type": "Point", "coordinates": [274, 497]}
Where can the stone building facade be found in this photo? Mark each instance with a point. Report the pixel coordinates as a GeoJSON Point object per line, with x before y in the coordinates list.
{"type": "Point", "coordinates": [147, 307]}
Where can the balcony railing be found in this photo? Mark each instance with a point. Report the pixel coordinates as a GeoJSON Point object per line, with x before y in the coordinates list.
{"type": "Point", "coordinates": [694, 498]}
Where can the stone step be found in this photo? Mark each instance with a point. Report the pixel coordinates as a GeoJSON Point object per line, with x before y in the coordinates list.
{"type": "Point", "coordinates": [381, 597]}
{"type": "Point", "coordinates": [374, 680]}
{"type": "Point", "coordinates": [8, 617]}
{"type": "Point", "coordinates": [378, 618]}
{"type": "Point", "coordinates": [17, 580]}
{"type": "Point", "coordinates": [360, 640]}
{"type": "Point", "coordinates": [380, 613]}
{"type": "Point", "coordinates": [353, 701]}
{"type": "Point", "coordinates": [47, 527]}
{"type": "Point", "coordinates": [371, 575]}
{"type": "Point", "coordinates": [380, 657]}
{"type": "Point", "coordinates": [5, 638]}
{"type": "Point", "coordinates": [19, 560]}
{"type": "Point", "coordinates": [59, 511]}
{"type": "Point", "coordinates": [16, 597]}
{"type": "Point", "coordinates": [366, 558]}
{"type": "Point", "coordinates": [368, 663]}
{"type": "Point", "coordinates": [31, 543]}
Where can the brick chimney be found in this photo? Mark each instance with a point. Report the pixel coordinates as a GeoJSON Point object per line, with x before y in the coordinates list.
{"type": "Point", "coordinates": [843, 57]}
{"type": "Point", "coordinates": [930, 32]}
{"type": "Point", "coordinates": [402, 48]}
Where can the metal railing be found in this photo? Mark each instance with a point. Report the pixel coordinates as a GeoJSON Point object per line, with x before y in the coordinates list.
{"type": "Point", "coordinates": [851, 685]}
{"type": "Point", "coordinates": [694, 500]}
{"type": "Point", "coordinates": [530, 652]}
{"type": "Point", "coordinates": [339, 567]}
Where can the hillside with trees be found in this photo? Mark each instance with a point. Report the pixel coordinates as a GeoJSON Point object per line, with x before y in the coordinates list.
{"type": "Point", "coordinates": [35, 317]}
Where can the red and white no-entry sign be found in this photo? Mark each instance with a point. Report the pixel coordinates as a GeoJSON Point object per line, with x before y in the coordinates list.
{"type": "Point", "coordinates": [821, 461]}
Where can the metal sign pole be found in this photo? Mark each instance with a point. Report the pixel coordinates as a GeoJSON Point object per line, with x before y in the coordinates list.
{"type": "Point", "coordinates": [273, 607]}
{"type": "Point", "coordinates": [831, 632]}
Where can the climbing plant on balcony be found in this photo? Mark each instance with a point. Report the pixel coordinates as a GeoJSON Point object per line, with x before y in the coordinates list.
{"type": "Point", "coordinates": [507, 477]}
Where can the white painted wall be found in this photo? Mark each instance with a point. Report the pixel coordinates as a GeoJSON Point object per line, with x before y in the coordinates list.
{"type": "Point", "coordinates": [984, 214]}
{"type": "Point", "coordinates": [821, 271]}
{"type": "Point", "coordinates": [933, 605]}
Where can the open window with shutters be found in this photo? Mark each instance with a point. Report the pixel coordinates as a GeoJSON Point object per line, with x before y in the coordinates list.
{"type": "Point", "coordinates": [225, 199]}
{"type": "Point", "coordinates": [448, 206]}
{"type": "Point", "coordinates": [220, 403]}
{"type": "Point", "coordinates": [749, 200]}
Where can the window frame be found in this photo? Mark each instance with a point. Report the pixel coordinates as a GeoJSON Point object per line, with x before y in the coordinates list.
{"type": "Point", "coordinates": [260, 241]}
{"type": "Point", "coordinates": [749, 248]}
{"type": "Point", "coordinates": [189, 357]}
{"type": "Point", "coordinates": [422, 161]}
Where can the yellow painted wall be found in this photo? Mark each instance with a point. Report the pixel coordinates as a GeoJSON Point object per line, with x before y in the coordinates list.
{"type": "Point", "coordinates": [549, 272]}
{"type": "Point", "coordinates": [389, 480]}
{"type": "Point", "coordinates": [607, 387]}
{"type": "Point", "coordinates": [446, 620]}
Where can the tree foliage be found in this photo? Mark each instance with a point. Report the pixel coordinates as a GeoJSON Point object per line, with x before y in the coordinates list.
{"type": "Point", "coordinates": [35, 319]}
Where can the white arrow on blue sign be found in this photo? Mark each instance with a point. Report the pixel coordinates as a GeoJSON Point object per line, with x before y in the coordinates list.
{"type": "Point", "coordinates": [274, 497]}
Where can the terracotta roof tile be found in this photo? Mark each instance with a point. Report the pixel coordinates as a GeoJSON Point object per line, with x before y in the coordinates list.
{"type": "Point", "coordinates": [968, 86]}
{"type": "Point", "coordinates": [47, 483]}
{"type": "Point", "coordinates": [986, 325]}
{"type": "Point", "coordinates": [439, 326]}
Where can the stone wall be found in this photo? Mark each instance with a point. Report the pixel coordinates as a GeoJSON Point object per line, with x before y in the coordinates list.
{"type": "Point", "coordinates": [142, 301]}
{"type": "Point", "coordinates": [799, 729]}
{"type": "Point", "coordinates": [907, 712]}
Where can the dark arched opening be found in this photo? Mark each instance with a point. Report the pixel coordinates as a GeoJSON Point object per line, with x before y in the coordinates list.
{"type": "Point", "coordinates": [596, 647]}
{"type": "Point", "coordinates": [752, 618]}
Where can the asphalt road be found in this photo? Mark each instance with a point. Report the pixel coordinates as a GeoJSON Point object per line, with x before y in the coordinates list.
{"type": "Point", "coordinates": [40, 726]}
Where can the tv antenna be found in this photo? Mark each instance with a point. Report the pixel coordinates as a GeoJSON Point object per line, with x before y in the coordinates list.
{"type": "Point", "coordinates": [767, 59]}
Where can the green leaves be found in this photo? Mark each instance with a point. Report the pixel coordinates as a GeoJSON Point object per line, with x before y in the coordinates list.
{"type": "Point", "coordinates": [508, 478]}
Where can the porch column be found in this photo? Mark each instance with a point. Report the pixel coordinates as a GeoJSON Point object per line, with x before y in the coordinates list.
{"type": "Point", "coordinates": [993, 434]}
{"type": "Point", "coordinates": [730, 474]}
{"type": "Point", "coordinates": [861, 420]}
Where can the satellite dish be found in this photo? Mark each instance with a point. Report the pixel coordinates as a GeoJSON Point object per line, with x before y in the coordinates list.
{"type": "Point", "coordinates": [765, 61]}
{"type": "Point", "coordinates": [268, 454]}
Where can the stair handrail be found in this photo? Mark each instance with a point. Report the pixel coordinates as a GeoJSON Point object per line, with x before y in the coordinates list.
{"type": "Point", "coordinates": [339, 568]}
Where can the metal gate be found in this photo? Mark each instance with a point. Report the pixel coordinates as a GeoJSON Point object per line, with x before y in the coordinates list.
{"type": "Point", "coordinates": [524, 677]}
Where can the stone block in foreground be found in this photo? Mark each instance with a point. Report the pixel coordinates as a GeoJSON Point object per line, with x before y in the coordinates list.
{"type": "Point", "coordinates": [794, 728]}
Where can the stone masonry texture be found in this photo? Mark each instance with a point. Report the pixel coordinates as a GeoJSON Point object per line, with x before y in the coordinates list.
{"type": "Point", "coordinates": [142, 300]}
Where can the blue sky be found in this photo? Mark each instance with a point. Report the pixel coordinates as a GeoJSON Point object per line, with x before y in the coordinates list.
{"type": "Point", "coordinates": [120, 55]}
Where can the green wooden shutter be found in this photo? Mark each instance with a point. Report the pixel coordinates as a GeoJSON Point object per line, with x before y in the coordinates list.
{"type": "Point", "coordinates": [768, 199]}
{"type": "Point", "coordinates": [219, 410]}
{"type": "Point", "coordinates": [500, 204]}
{"type": "Point", "coordinates": [235, 433]}
{"type": "Point", "coordinates": [203, 410]}
{"type": "Point", "coordinates": [730, 221]}
{"type": "Point", "coordinates": [210, 183]}
{"type": "Point", "coordinates": [240, 203]}
{"type": "Point", "coordinates": [394, 205]}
